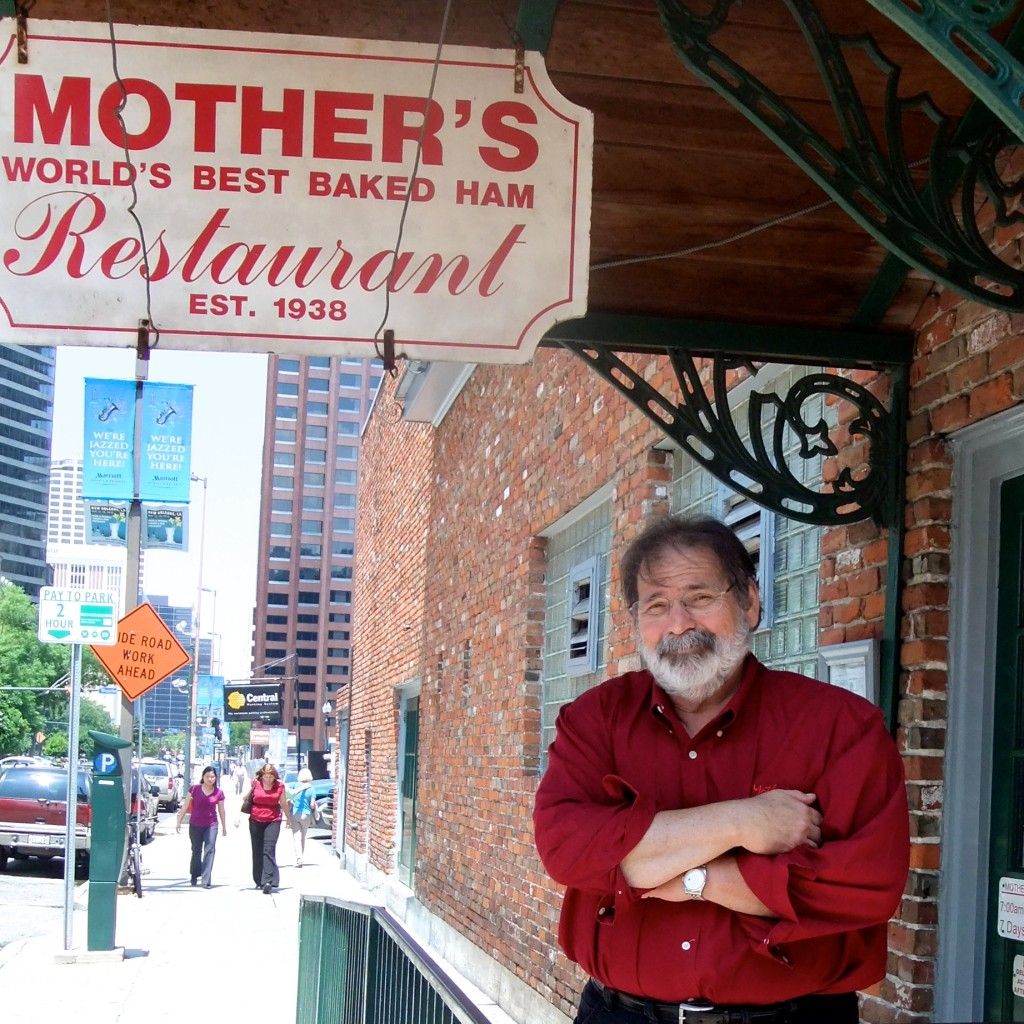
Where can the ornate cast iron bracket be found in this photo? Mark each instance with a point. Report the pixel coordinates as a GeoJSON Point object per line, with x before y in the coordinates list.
{"type": "Point", "coordinates": [932, 226]}
{"type": "Point", "coordinates": [704, 427]}
{"type": "Point", "coordinates": [956, 33]}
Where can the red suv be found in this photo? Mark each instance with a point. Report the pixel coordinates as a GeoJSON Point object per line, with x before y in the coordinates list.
{"type": "Point", "coordinates": [32, 814]}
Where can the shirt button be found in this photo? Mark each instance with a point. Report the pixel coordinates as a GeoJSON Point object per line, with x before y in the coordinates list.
{"type": "Point", "coordinates": [693, 755]}
{"type": "Point", "coordinates": [686, 945]}
{"type": "Point", "coordinates": [720, 734]}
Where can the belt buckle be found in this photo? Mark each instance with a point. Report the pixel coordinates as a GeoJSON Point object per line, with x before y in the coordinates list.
{"type": "Point", "coordinates": [689, 1011]}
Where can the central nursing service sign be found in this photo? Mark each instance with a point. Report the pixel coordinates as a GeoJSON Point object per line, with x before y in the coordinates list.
{"type": "Point", "coordinates": [271, 174]}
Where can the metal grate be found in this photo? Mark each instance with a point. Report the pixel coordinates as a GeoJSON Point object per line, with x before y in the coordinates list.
{"type": "Point", "coordinates": [358, 965]}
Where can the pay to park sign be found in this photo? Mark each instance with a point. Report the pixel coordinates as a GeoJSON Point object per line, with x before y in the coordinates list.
{"type": "Point", "coordinates": [272, 172]}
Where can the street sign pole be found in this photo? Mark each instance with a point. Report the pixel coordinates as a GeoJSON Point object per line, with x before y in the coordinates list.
{"type": "Point", "coordinates": [73, 616]}
{"type": "Point", "coordinates": [133, 568]}
{"type": "Point", "coordinates": [71, 810]}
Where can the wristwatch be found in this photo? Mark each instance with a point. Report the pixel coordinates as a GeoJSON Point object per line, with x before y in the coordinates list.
{"type": "Point", "coordinates": [694, 881]}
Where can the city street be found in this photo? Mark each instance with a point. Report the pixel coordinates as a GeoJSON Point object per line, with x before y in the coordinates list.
{"type": "Point", "coordinates": [184, 947]}
{"type": "Point", "coordinates": [32, 899]}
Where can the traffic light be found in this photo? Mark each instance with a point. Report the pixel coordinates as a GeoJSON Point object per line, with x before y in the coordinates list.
{"type": "Point", "coordinates": [215, 723]}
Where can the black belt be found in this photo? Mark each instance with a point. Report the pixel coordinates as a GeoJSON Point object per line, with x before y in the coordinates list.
{"type": "Point", "coordinates": [696, 1011]}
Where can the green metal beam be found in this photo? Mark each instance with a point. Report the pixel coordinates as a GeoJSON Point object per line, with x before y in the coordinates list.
{"type": "Point", "coordinates": [535, 21]}
{"type": "Point", "coordinates": [882, 293]}
{"type": "Point", "coordinates": [800, 345]}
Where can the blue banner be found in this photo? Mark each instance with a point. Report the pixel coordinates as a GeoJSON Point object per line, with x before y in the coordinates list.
{"type": "Point", "coordinates": [107, 460]}
{"type": "Point", "coordinates": [166, 457]}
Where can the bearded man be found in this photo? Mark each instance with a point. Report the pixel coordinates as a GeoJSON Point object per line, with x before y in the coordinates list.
{"type": "Point", "coordinates": [732, 839]}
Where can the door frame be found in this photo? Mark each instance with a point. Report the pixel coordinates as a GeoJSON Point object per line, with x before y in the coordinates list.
{"type": "Point", "coordinates": [984, 456]}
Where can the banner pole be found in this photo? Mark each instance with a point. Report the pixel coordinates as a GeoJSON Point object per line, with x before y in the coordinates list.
{"type": "Point", "coordinates": [133, 568]}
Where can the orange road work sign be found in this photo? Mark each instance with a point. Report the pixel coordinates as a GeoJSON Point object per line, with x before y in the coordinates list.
{"type": "Point", "coordinates": [145, 654]}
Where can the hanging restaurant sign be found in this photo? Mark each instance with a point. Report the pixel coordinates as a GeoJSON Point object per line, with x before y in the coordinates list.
{"type": "Point", "coordinates": [271, 174]}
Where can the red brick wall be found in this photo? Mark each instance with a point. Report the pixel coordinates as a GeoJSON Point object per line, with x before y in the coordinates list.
{"type": "Point", "coordinates": [521, 447]}
{"type": "Point", "coordinates": [392, 534]}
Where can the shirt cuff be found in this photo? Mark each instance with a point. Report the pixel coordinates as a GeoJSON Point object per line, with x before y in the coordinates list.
{"type": "Point", "coordinates": [767, 877]}
{"type": "Point", "coordinates": [640, 813]}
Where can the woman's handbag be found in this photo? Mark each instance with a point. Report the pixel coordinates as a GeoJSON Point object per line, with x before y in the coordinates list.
{"type": "Point", "coordinates": [247, 803]}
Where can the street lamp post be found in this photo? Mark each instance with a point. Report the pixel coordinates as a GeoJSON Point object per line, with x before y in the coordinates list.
{"type": "Point", "coordinates": [326, 710]}
{"type": "Point", "coordinates": [193, 691]}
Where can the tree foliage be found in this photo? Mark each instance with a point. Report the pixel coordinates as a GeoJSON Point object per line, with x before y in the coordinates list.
{"type": "Point", "coordinates": [90, 716]}
{"type": "Point", "coordinates": [239, 733]}
{"type": "Point", "coordinates": [26, 663]}
{"type": "Point", "coordinates": [27, 667]}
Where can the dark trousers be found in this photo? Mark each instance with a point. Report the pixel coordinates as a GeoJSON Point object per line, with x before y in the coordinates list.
{"type": "Point", "coordinates": [602, 1008]}
{"type": "Point", "coordinates": [204, 842]}
{"type": "Point", "coordinates": [263, 835]}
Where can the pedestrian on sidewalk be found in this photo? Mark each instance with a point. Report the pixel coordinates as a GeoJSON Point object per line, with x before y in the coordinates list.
{"type": "Point", "coordinates": [269, 806]}
{"type": "Point", "coordinates": [304, 810]}
{"type": "Point", "coordinates": [240, 778]}
{"type": "Point", "coordinates": [205, 803]}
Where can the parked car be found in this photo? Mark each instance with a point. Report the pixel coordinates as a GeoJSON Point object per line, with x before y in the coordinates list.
{"type": "Point", "coordinates": [146, 807]}
{"type": "Point", "coordinates": [23, 761]}
{"type": "Point", "coordinates": [162, 776]}
{"type": "Point", "coordinates": [33, 808]}
{"type": "Point", "coordinates": [323, 793]}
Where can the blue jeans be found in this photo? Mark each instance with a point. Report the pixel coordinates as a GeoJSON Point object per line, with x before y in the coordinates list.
{"type": "Point", "coordinates": [204, 844]}
{"type": "Point", "coordinates": [596, 1009]}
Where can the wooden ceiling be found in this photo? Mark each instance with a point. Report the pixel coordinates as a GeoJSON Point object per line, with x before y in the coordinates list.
{"type": "Point", "coordinates": [675, 166]}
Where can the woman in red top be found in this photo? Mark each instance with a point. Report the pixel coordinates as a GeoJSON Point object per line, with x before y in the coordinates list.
{"type": "Point", "coordinates": [269, 804]}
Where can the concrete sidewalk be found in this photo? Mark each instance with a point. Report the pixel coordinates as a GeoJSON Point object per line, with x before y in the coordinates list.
{"type": "Point", "coordinates": [227, 953]}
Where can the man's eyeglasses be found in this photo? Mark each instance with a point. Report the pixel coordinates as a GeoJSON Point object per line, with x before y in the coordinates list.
{"type": "Point", "coordinates": [697, 604]}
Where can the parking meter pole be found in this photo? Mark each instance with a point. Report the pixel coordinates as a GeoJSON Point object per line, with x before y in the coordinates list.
{"type": "Point", "coordinates": [108, 836]}
{"type": "Point", "coordinates": [71, 807]}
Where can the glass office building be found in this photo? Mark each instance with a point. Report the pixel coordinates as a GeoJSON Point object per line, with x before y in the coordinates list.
{"type": "Point", "coordinates": [26, 428]}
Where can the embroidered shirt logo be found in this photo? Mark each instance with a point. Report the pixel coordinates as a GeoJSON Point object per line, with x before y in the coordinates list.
{"type": "Point", "coordinates": [760, 787]}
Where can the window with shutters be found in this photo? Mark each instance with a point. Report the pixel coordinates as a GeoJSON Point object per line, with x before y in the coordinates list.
{"type": "Point", "coordinates": [575, 607]}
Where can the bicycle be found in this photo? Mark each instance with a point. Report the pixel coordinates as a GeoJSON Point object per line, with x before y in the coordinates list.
{"type": "Point", "coordinates": [133, 859]}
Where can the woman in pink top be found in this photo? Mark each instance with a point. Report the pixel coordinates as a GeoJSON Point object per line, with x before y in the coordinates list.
{"type": "Point", "coordinates": [269, 805]}
{"type": "Point", "coordinates": [205, 803]}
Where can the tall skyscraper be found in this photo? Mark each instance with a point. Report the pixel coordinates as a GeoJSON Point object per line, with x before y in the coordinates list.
{"type": "Point", "coordinates": [72, 560]}
{"type": "Point", "coordinates": [316, 407]}
{"type": "Point", "coordinates": [26, 428]}
{"type": "Point", "coordinates": [65, 521]}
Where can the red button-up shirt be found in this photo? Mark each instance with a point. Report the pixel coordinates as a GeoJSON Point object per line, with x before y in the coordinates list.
{"type": "Point", "coordinates": [621, 755]}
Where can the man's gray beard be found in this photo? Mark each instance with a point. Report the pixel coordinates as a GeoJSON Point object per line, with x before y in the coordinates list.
{"type": "Point", "coordinates": [695, 665]}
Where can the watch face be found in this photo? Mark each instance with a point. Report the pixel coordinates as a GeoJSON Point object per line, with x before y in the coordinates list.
{"type": "Point", "coordinates": [694, 880]}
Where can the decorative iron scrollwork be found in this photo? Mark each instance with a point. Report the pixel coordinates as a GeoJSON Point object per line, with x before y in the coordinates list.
{"type": "Point", "coordinates": [932, 225]}
{"type": "Point", "coordinates": [956, 33]}
{"type": "Point", "coordinates": [704, 427]}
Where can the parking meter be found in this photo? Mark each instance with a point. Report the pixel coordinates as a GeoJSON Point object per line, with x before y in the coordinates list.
{"type": "Point", "coordinates": [108, 837]}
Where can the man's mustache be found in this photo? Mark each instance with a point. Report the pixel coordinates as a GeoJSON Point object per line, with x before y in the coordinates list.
{"type": "Point", "coordinates": [687, 643]}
